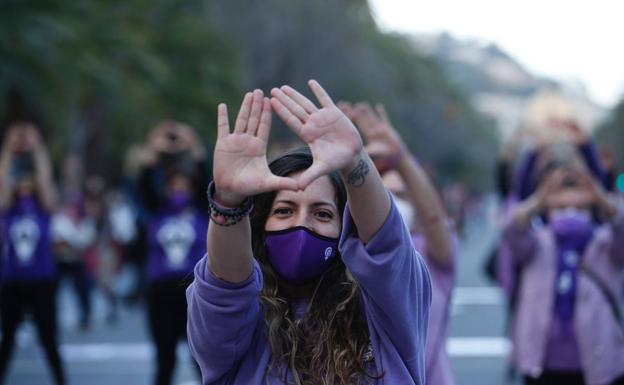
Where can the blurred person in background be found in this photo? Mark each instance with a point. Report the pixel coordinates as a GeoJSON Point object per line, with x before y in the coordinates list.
{"type": "Point", "coordinates": [422, 210]}
{"type": "Point", "coordinates": [559, 132]}
{"type": "Point", "coordinates": [27, 200]}
{"type": "Point", "coordinates": [73, 231]}
{"type": "Point", "coordinates": [122, 220]}
{"type": "Point", "coordinates": [171, 186]}
{"type": "Point", "coordinates": [559, 137]}
{"type": "Point", "coordinates": [549, 131]}
{"type": "Point", "coordinates": [170, 146]}
{"type": "Point", "coordinates": [101, 257]}
{"type": "Point", "coordinates": [176, 242]}
{"type": "Point", "coordinates": [567, 236]}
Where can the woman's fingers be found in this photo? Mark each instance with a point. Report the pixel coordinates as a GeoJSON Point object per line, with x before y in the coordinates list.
{"type": "Point", "coordinates": [320, 94]}
{"type": "Point", "coordinates": [313, 172]}
{"type": "Point", "coordinates": [376, 149]}
{"type": "Point", "coordinates": [264, 128]}
{"type": "Point", "coordinates": [346, 109]}
{"type": "Point", "coordinates": [288, 117]}
{"type": "Point", "coordinates": [364, 121]}
{"type": "Point", "coordinates": [373, 119]}
{"type": "Point", "coordinates": [294, 107]}
{"type": "Point", "coordinates": [383, 115]}
{"type": "Point", "coordinates": [256, 111]}
{"type": "Point", "coordinates": [243, 114]}
{"type": "Point", "coordinates": [281, 183]}
{"type": "Point", "coordinates": [223, 125]}
{"type": "Point", "coordinates": [304, 102]}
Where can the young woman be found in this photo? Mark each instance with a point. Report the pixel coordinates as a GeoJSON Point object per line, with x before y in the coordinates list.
{"type": "Point", "coordinates": [421, 208]}
{"type": "Point", "coordinates": [336, 293]}
{"type": "Point", "coordinates": [176, 239]}
{"type": "Point", "coordinates": [28, 276]}
{"type": "Point", "coordinates": [568, 238]}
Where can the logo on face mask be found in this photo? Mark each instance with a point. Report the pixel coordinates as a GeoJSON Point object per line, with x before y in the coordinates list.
{"type": "Point", "coordinates": [24, 234]}
{"type": "Point", "coordinates": [176, 236]}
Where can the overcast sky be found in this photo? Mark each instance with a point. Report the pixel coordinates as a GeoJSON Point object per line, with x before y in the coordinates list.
{"type": "Point", "coordinates": [578, 39]}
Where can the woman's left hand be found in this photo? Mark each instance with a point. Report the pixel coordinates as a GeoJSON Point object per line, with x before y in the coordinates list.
{"type": "Point", "coordinates": [334, 141]}
{"type": "Point", "coordinates": [596, 192]}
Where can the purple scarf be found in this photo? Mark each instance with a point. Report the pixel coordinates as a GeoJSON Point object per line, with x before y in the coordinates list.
{"type": "Point", "coordinates": [573, 230]}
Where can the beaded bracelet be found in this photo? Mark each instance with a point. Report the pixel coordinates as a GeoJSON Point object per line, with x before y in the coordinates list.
{"type": "Point", "coordinates": [224, 216]}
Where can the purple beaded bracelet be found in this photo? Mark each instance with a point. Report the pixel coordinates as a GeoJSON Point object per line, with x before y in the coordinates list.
{"type": "Point", "coordinates": [224, 216]}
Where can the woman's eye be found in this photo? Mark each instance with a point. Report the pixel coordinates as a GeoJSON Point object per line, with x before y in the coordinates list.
{"type": "Point", "coordinates": [282, 211]}
{"type": "Point", "coordinates": [325, 215]}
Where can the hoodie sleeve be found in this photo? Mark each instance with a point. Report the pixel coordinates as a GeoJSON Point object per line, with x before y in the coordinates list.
{"type": "Point", "coordinates": [394, 279]}
{"type": "Point", "coordinates": [223, 319]}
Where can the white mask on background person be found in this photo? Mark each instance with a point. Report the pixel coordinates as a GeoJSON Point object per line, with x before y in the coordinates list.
{"type": "Point", "coordinates": [406, 210]}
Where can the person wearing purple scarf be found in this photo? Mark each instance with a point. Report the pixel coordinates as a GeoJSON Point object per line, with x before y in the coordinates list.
{"type": "Point", "coordinates": [27, 282]}
{"type": "Point", "coordinates": [176, 239]}
{"type": "Point", "coordinates": [421, 208]}
{"type": "Point", "coordinates": [566, 329]}
{"type": "Point", "coordinates": [321, 284]}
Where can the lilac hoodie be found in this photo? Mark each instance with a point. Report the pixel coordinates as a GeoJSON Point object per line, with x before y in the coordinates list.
{"type": "Point", "coordinates": [437, 361]}
{"type": "Point", "coordinates": [226, 328]}
{"type": "Point", "coordinates": [599, 337]}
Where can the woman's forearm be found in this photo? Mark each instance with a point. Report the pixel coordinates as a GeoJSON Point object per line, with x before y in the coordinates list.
{"type": "Point", "coordinates": [429, 209]}
{"type": "Point", "coordinates": [229, 247]}
{"type": "Point", "coordinates": [368, 199]}
{"type": "Point", "coordinates": [229, 251]}
{"type": "Point", "coordinates": [525, 210]}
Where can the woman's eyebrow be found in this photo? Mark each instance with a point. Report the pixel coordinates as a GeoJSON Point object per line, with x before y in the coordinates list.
{"type": "Point", "coordinates": [324, 203]}
{"type": "Point", "coordinates": [285, 201]}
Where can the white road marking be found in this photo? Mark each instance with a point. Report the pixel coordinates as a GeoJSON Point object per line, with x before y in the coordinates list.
{"type": "Point", "coordinates": [143, 351]}
{"type": "Point", "coordinates": [462, 347]}
{"type": "Point", "coordinates": [480, 295]}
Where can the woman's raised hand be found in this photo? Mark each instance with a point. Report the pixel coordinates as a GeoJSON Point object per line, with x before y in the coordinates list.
{"type": "Point", "coordinates": [334, 141]}
{"type": "Point", "coordinates": [240, 165]}
{"type": "Point", "coordinates": [382, 139]}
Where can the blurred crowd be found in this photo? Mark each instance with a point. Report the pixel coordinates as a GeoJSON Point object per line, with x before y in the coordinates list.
{"type": "Point", "coordinates": [558, 259]}
{"type": "Point", "coordinates": [130, 242]}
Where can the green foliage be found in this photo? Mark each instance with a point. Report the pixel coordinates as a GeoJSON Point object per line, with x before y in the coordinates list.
{"type": "Point", "coordinates": [338, 43]}
{"type": "Point", "coordinates": [104, 72]}
{"type": "Point", "coordinates": [111, 69]}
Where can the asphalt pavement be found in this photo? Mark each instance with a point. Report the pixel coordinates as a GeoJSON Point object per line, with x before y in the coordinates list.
{"type": "Point", "coordinates": [121, 353]}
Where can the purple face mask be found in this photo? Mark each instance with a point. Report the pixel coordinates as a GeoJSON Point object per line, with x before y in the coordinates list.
{"type": "Point", "coordinates": [179, 200]}
{"type": "Point", "coordinates": [300, 255]}
{"type": "Point", "coordinates": [572, 226]}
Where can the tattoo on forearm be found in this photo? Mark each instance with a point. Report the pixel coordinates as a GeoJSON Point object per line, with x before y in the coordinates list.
{"type": "Point", "coordinates": [357, 176]}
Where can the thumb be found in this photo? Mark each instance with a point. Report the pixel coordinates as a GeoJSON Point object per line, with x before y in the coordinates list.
{"type": "Point", "coordinates": [282, 183]}
{"type": "Point", "coordinates": [315, 171]}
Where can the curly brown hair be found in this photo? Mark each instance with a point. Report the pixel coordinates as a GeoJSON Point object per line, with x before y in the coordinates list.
{"type": "Point", "coordinates": [329, 344]}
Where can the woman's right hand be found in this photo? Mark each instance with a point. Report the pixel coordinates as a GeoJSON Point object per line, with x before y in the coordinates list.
{"type": "Point", "coordinates": [384, 144]}
{"type": "Point", "coordinates": [542, 198]}
{"type": "Point", "coordinates": [240, 164]}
